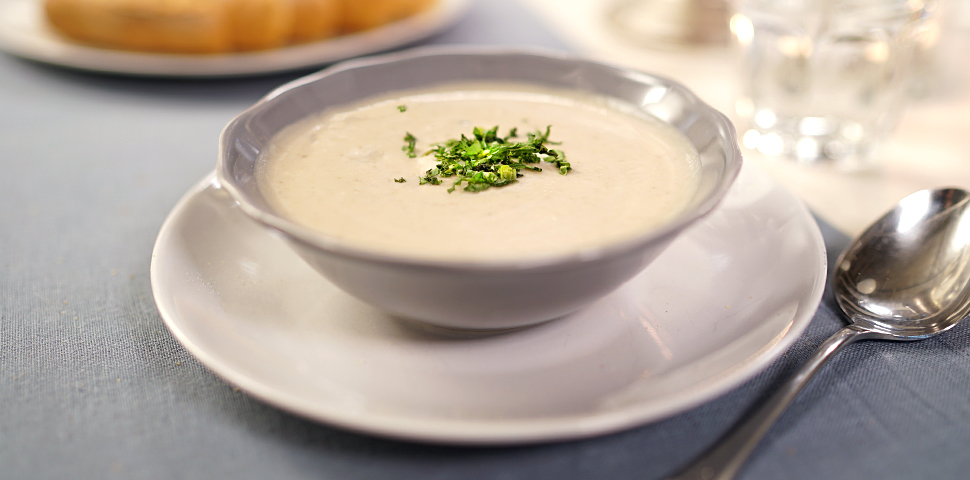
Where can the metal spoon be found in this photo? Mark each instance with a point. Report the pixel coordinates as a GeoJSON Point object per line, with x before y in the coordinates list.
{"type": "Point", "coordinates": [907, 277]}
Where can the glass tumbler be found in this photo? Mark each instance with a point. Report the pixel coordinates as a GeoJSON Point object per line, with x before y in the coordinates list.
{"type": "Point", "coordinates": [823, 81]}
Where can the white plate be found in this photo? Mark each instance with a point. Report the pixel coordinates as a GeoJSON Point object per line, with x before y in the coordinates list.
{"type": "Point", "coordinates": [729, 296]}
{"type": "Point", "coordinates": [24, 32]}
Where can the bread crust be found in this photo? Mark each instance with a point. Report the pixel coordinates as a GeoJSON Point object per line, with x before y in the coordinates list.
{"type": "Point", "coordinates": [367, 14]}
{"type": "Point", "coordinates": [260, 24]}
{"type": "Point", "coordinates": [185, 26]}
{"type": "Point", "coordinates": [218, 26]}
{"type": "Point", "coordinates": [316, 19]}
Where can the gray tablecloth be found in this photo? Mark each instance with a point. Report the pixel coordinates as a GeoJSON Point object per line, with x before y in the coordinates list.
{"type": "Point", "coordinates": [92, 385]}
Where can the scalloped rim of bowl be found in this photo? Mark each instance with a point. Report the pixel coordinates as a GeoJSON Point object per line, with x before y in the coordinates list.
{"type": "Point", "coordinates": [333, 246]}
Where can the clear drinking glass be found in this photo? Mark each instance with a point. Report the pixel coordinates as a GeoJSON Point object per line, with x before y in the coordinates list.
{"type": "Point", "coordinates": [824, 80]}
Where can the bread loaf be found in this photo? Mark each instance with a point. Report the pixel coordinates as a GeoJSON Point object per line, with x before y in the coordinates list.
{"type": "Point", "coordinates": [186, 26]}
{"type": "Point", "coordinates": [218, 26]}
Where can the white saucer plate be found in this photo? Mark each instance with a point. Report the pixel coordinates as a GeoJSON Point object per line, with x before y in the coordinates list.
{"type": "Point", "coordinates": [727, 297]}
{"type": "Point", "coordinates": [24, 32]}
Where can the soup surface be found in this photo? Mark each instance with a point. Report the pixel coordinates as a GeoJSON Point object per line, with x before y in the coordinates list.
{"type": "Point", "coordinates": [335, 173]}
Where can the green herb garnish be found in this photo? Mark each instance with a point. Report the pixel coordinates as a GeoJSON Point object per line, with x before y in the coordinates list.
{"type": "Point", "coordinates": [409, 148]}
{"type": "Point", "coordinates": [400, 180]}
{"type": "Point", "coordinates": [402, 108]}
{"type": "Point", "coordinates": [488, 160]}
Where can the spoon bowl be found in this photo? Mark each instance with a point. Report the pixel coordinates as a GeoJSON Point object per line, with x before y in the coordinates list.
{"type": "Point", "coordinates": [905, 278]}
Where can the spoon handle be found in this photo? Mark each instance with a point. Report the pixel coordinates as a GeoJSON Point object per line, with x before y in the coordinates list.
{"type": "Point", "coordinates": [724, 460]}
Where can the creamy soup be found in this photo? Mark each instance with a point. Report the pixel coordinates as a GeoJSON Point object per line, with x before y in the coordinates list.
{"type": "Point", "coordinates": [340, 173]}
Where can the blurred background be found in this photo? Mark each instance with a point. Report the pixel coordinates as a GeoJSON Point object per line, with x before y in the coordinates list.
{"type": "Point", "coordinates": [691, 41]}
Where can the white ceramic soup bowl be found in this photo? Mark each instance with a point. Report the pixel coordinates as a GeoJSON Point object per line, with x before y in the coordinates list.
{"type": "Point", "coordinates": [476, 294]}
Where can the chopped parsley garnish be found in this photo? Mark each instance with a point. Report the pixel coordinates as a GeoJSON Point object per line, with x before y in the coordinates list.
{"type": "Point", "coordinates": [409, 148]}
{"type": "Point", "coordinates": [402, 108]}
{"type": "Point", "coordinates": [400, 180]}
{"type": "Point", "coordinates": [488, 160]}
